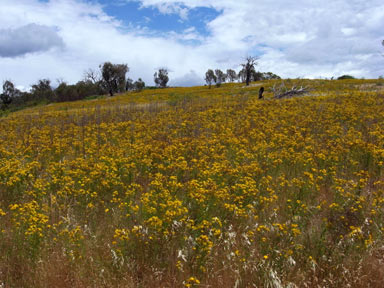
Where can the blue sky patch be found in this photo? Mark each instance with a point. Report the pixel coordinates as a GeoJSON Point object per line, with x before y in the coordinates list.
{"type": "Point", "coordinates": [133, 15]}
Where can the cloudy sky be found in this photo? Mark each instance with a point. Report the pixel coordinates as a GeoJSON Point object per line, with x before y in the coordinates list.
{"type": "Point", "coordinates": [60, 39]}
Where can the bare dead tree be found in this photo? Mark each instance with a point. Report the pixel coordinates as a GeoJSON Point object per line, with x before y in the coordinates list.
{"type": "Point", "coordinates": [282, 91]}
{"type": "Point", "coordinates": [92, 75]}
{"type": "Point", "coordinates": [248, 67]}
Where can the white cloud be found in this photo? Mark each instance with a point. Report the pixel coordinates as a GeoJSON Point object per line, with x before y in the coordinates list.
{"type": "Point", "coordinates": [316, 37]}
{"type": "Point", "coordinates": [174, 8]}
{"type": "Point", "coordinates": [292, 38]}
{"type": "Point", "coordinates": [91, 37]}
{"type": "Point", "coordinates": [189, 79]}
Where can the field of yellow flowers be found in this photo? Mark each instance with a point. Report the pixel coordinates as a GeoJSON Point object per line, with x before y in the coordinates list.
{"type": "Point", "coordinates": [196, 187]}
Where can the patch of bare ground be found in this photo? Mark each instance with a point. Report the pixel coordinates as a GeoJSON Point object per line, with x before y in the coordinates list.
{"type": "Point", "coordinates": [377, 87]}
{"type": "Point", "coordinates": [253, 85]}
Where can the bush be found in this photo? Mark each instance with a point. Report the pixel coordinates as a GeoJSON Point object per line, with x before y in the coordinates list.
{"type": "Point", "coordinates": [345, 77]}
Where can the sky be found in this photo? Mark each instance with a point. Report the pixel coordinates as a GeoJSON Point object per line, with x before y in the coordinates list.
{"type": "Point", "coordinates": [61, 39]}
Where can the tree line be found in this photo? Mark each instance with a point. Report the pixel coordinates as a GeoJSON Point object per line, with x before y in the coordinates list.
{"type": "Point", "coordinates": [246, 75]}
{"type": "Point", "coordinates": [111, 79]}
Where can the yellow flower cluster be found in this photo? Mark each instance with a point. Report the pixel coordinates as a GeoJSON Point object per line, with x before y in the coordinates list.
{"type": "Point", "coordinates": [204, 182]}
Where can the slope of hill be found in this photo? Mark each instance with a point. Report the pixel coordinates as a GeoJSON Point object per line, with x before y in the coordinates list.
{"type": "Point", "coordinates": [196, 187]}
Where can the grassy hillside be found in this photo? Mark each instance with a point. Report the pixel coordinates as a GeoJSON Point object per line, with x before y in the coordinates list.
{"type": "Point", "coordinates": [196, 187]}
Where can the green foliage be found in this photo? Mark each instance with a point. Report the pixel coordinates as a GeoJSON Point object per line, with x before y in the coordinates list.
{"type": "Point", "coordinates": [210, 77]}
{"type": "Point", "coordinates": [161, 78]}
{"type": "Point", "coordinates": [129, 85]}
{"type": "Point", "coordinates": [9, 93]}
{"type": "Point", "coordinates": [139, 85]}
{"type": "Point", "coordinates": [262, 76]}
{"type": "Point", "coordinates": [81, 90]}
{"type": "Point", "coordinates": [220, 77]}
{"type": "Point", "coordinates": [114, 77]}
{"type": "Point", "coordinates": [231, 75]}
{"type": "Point", "coordinates": [42, 90]}
{"type": "Point", "coordinates": [345, 77]}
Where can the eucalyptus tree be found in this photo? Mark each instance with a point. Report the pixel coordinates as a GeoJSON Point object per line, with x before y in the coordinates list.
{"type": "Point", "coordinates": [210, 77]}
{"type": "Point", "coordinates": [161, 78]}
{"type": "Point", "coordinates": [113, 77]}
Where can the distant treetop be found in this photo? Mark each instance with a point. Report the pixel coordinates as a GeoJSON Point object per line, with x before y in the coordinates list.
{"type": "Point", "coordinates": [344, 77]}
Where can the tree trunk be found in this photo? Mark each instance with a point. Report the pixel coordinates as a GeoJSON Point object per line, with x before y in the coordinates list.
{"type": "Point", "coordinates": [248, 78]}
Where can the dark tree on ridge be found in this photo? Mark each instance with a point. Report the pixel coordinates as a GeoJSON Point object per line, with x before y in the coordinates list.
{"type": "Point", "coordinates": [220, 77]}
{"type": "Point", "coordinates": [9, 94]}
{"type": "Point", "coordinates": [231, 75]}
{"type": "Point", "coordinates": [114, 77]}
{"type": "Point", "coordinates": [248, 67]}
{"type": "Point", "coordinates": [210, 77]}
{"type": "Point", "coordinates": [161, 78]}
